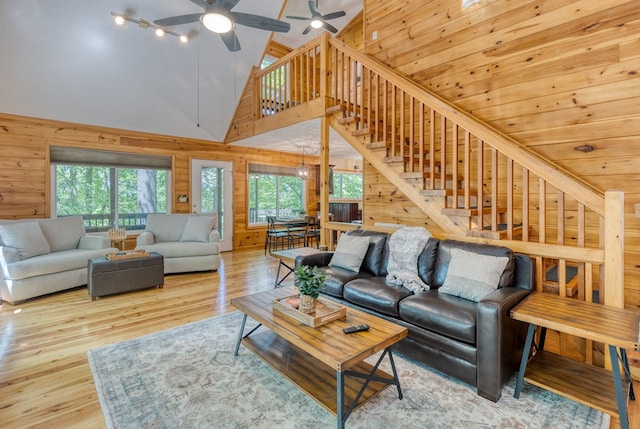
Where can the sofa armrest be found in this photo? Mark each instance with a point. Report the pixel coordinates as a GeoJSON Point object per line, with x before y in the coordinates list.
{"type": "Point", "coordinates": [315, 260]}
{"type": "Point", "coordinates": [94, 242]}
{"type": "Point", "coordinates": [214, 236]}
{"type": "Point", "coordinates": [7, 256]}
{"type": "Point", "coordinates": [500, 340]}
{"type": "Point", "coordinates": [146, 237]}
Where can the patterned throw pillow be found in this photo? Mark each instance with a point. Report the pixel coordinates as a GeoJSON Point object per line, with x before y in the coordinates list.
{"type": "Point", "coordinates": [472, 275]}
{"type": "Point", "coordinates": [350, 252]}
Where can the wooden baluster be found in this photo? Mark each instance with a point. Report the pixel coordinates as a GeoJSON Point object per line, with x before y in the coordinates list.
{"type": "Point", "coordinates": [348, 86]}
{"type": "Point", "coordinates": [542, 210]}
{"type": "Point", "coordinates": [454, 165]}
{"type": "Point", "coordinates": [385, 111]}
{"type": "Point", "coordinates": [494, 189]}
{"type": "Point", "coordinates": [539, 273]}
{"type": "Point", "coordinates": [393, 120]}
{"type": "Point", "coordinates": [376, 117]}
{"type": "Point", "coordinates": [443, 152]}
{"type": "Point", "coordinates": [432, 149]}
{"type": "Point", "coordinates": [467, 170]}
{"type": "Point", "coordinates": [412, 137]}
{"type": "Point", "coordinates": [421, 142]}
{"type": "Point", "coordinates": [510, 199]}
{"type": "Point", "coordinates": [402, 113]}
{"type": "Point", "coordinates": [525, 204]}
{"type": "Point", "coordinates": [581, 243]}
{"type": "Point", "coordinates": [480, 185]}
{"type": "Point", "coordinates": [369, 103]}
{"type": "Point", "coordinates": [588, 287]}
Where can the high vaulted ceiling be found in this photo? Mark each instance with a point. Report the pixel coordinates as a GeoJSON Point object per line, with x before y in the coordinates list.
{"type": "Point", "coordinates": [67, 60]}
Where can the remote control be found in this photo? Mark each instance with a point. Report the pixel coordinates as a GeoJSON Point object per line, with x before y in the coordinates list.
{"type": "Point", "coordinates": [357, 328]}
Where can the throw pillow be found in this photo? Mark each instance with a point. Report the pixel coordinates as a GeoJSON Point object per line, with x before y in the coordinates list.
{"type": "Point", "coordinates": [197, 228]}
{"type": "Point", "coordinates": [472, 275]}
{"type": "Point", "coordinates": [62, 233]}
{"type": "Point", "coordinates": [27, 237]}
{"type": "Point", "coordinates": [350, 252]}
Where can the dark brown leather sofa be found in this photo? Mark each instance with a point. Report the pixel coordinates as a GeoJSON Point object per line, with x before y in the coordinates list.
{"type": "Point", "coordinates": [477, 343]}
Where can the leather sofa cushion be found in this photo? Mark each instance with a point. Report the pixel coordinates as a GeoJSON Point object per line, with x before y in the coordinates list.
{"type": "Point", "coordinates": [376, 294]}
{"type": "Point", "coordinates": [447, 315]}
{"type": "Point", "coordinates": [336, 279]}
{"type": "Point", "coordinates": [374, 261]}
{"type": "Point", "coordinates": [444, 257]}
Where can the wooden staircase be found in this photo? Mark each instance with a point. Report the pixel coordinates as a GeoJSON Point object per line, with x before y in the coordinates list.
{"type": "Point", "coordinates": [437, 186]}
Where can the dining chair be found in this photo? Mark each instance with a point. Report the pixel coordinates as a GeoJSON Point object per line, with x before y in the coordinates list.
{"type": "Point", "coordinates": [310, 232]}
{"type": "Point", "coordinates": [276, 234]}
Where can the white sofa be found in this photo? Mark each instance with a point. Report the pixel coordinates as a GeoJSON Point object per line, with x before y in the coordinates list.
{"type": "Point", "coordinates": [41, 256]}
{"type": "Point", "coordinates": [187, 242]}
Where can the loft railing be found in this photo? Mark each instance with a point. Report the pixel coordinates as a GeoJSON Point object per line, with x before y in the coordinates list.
{"type": "Point", "coordinates": [497, 188]}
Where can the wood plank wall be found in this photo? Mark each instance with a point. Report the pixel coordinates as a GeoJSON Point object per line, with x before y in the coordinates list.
{"type": "Point", "coordinates": [24, 166]}
{"type": "Point", "coordinates": [556, 75]}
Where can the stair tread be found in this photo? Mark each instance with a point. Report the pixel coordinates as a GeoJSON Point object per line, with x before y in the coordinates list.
{"type": "Point", "coordinates": [334, 109]}
{"type": "Point", "coordinates": [348, 120]}
{"type": "Point", "coordinates": [471, 211]}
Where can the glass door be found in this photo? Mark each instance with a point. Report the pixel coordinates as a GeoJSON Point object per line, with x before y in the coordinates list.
{"type": "Point", "coordinates": [212, 192]}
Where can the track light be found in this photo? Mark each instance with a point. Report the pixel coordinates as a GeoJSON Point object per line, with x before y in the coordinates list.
{"type": "Point", "coordinates": [121, 19]}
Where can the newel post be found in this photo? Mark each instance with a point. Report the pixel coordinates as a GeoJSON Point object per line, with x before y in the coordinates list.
{"type": "Point", "coordinates": [613, 249]}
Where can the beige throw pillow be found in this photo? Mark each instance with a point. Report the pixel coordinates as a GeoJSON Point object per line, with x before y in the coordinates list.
{"type": "Point", "coordinates": [350, 252]}
{"type": "Point", "coordinates": [472, 275]}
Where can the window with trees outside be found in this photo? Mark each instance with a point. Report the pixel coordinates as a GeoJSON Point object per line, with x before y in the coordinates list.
{"type": "Point", "coordinates": [108, 196]}
{"type": "Point", "coordinates": [109, 189]}
{"type": "Point", "coordinates": [274, 191]}
{"type": "Point", "coordinates": [347, 185]}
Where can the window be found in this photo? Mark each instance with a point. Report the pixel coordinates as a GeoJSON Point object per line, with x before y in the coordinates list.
{"type": "Point", "coordinates": [106, 195]}
{"type": "Point", "coordinates": [347, 185]}
{"type": "Point", "coordinates": [274, 191]}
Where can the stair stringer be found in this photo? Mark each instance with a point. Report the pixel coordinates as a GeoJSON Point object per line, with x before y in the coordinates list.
{"type": "Point", "coordinates": [432, 207]}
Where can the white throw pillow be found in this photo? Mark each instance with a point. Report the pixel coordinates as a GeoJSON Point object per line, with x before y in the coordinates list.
{"type": "Point", "coordinates": [63, 233]}
{"type": "Point", "coordinates": [198, 228]}
{"type": "Point", "coordinates": [350, 252]}
{"type": "Point", "coordinates": [473, 275]}
{"type": "Point", "coordinates": [27, 237]}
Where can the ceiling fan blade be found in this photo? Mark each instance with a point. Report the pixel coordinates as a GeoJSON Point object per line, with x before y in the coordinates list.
{"type": "Point", "coordinates": [313, 9]}
{"type": "Point", "coordinates": [177, 20]}
{"type": "Point", "coordinates": [228, 4]}
{"type": "Point", "coordinates": [334, 15]}
{"type": "Point", "coordinates": [330, 27]}
{"type": "Point", "coordinates": [260, 22]}
{"type": "Point", "coordinates": [306, 30]}
{"type": "Point", "coordinates": [298, 17]}
{"type": "Point", "coordinates": [201, 3]}
{"type": "Point", "coordinates": [230, 39]}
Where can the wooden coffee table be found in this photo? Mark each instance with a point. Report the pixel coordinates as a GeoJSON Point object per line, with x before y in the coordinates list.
{"type": "Point", "coordinates": [324, 362]}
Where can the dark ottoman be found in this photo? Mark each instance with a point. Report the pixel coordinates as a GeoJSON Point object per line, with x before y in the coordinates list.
{"type": "Point", "coordinates": [106, 277]}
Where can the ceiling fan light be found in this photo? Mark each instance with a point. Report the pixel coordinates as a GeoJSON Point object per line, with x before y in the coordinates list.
{"type": "Point", "coordinates": [159, 32]}
{"type": "Point", "coordinates": [316, 23]}
{"type": "Point", "coordinates": [217, 22]}
{"type": "Point", "coordinates": [119, 20]}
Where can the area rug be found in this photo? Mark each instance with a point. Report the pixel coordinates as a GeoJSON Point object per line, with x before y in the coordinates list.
{"type": "Point", "coordinates": [187, 377]}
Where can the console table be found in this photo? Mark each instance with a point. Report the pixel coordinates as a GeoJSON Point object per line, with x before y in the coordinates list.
{"type": "Point", "coordinates": [587, 384]}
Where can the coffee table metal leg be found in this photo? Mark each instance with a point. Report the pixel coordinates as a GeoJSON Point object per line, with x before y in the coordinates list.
{"type": "Point", "coordinates": [244, 321]}
{"type": "Point", "coordinates": [340, 400]}
{"type": "Point", "coordinates": [280, 280]}
{"type": "Point", "coordinates": [242, 335]}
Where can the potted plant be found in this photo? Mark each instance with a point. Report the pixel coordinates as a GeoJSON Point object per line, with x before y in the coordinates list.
{"type": "Point", "coordinates": [309, 280]}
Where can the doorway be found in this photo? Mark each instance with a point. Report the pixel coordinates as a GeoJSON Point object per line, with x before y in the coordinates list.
{"type": "Point", "coordinates": [212, 192]}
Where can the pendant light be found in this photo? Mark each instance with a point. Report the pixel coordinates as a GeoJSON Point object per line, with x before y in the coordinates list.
{"type": "Point", "coordinates": [303, 171]}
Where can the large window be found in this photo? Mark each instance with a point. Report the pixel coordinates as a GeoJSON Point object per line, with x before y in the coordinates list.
{"type": "Point", "coordinates": [274, 191]}
{"type": "Point", "coordinates": [347, 185]}
{"type": "Point", "coordinates": [107, 196]}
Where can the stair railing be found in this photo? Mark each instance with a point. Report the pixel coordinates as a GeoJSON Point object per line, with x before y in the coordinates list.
{"type": "Point", "coordinates": [500, 189]}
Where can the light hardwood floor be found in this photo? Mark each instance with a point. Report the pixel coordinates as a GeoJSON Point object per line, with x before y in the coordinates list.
{"type": "Point", "coordinates": [45, 380]}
